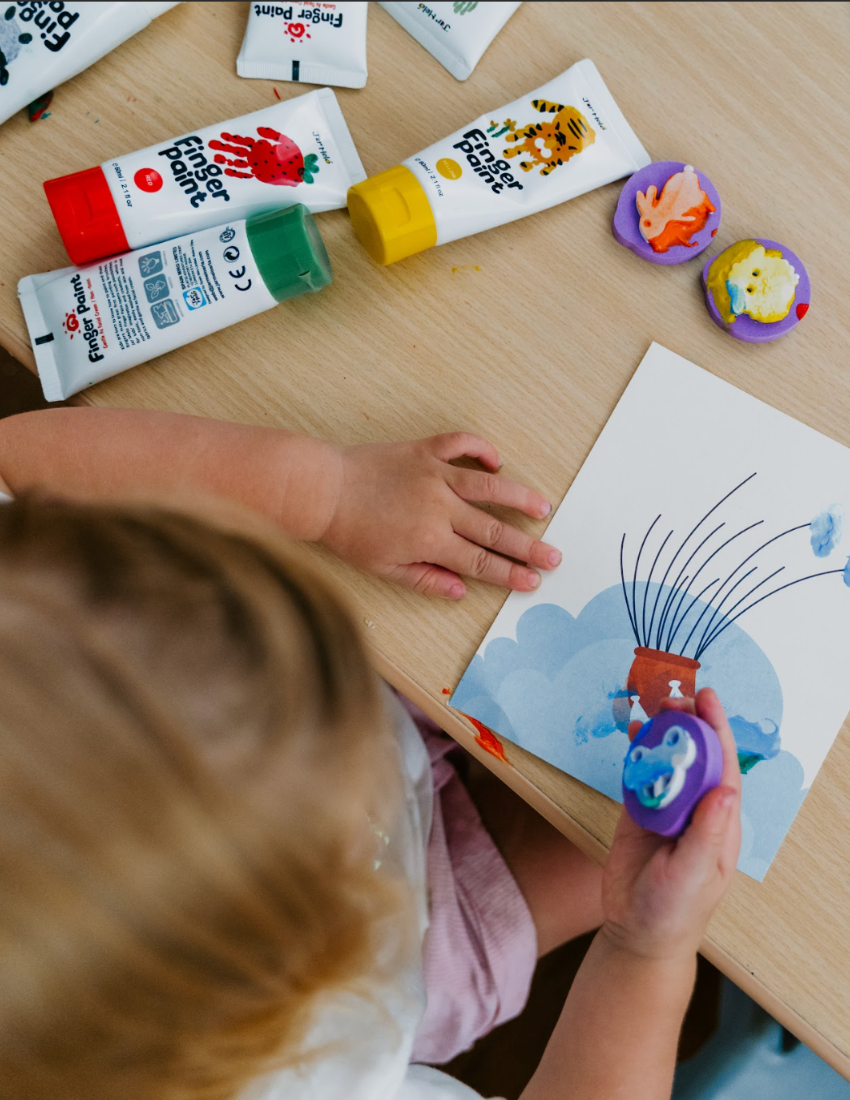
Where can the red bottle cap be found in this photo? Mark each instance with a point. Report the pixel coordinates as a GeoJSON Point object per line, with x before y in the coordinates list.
{"type": "Point", "coordinates": [86, 215]}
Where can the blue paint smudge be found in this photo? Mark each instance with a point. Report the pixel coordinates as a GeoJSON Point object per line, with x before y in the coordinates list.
{"type": "Point", "coordinates": [753, 740]}
{"type": "Point", "coordinates": [827, 528]}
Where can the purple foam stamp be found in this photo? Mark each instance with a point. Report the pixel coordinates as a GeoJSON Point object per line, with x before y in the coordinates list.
{"type": "Point", "coordinates": [756, 290]}
{"type": "Point", "coordinates": [673, 761]}
{"type": "Point", "coordinates": [667, 213]}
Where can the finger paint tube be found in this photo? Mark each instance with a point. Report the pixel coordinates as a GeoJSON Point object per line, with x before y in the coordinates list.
{"type": "Point", "coordinates": [44, 44]}
{"type": "Point", "coordinates": [89, 323]}
{"type": "Point", "coordinates": [455, 34]}
{"type": "Point", "coordinates": [297, 151]}
{"type": "Point", "coordinates": [313, 43]}
{"type": "Point", "coordinates": [559, 141]}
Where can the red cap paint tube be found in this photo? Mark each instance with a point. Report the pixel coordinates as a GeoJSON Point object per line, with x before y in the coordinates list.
{"type": "Point", "coordinates": [88, 323]}
{"type": "Point", "coordinates": [297, 151]}
{"type": "Point", "coordinates": [675, 759]}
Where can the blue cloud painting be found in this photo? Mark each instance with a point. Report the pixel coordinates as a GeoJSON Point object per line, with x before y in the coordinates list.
{"type": "Point", "coordinates": [559, 691]}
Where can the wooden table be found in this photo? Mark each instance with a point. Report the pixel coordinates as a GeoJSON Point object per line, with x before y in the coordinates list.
{"type": "Point", "coordinates": [527, 335]}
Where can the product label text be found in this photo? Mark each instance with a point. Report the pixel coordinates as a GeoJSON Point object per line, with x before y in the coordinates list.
{"type": "Point", "coordinates": [306, 15]}
{"type": "Point", "coordinates": [193, 171]}
{"type": "Point", "coordinates": [89, 330]}
{"type": "Point", "coordinates": [53, 20]}
{"type": "Point", "coordinates": [438, 22]}
{"type": "Point", "coordinates": [483, 161]}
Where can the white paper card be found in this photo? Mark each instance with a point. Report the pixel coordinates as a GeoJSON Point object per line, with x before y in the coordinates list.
{"type": "Point", "coordinates": [729, 515]}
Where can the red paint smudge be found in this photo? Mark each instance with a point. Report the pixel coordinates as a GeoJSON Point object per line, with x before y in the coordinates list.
{"type": "Point", "coordinates": [38, 108]}
{"type": "Point", "coordinates": [276, 92]}
{"type": "Point", "coordinates": [487, 739]}
{"type": "Point", "coordinates": [447, 691]}
{"type": "Point", "coordinates": [713, 232]}
{"type": "Point", "coordinates": [802, 310]}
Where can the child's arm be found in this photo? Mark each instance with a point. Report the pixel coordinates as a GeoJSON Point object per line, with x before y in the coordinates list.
{"type": "Point", "coordinates": [396, 509]}
{"type": "Point", "coordinates": [617, 1035]}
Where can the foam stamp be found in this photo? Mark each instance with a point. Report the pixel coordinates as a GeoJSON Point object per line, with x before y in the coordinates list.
{"type": "Point", "coordinates": [673, 761]}
{"type": "Point", "coordinates": [756, 290]}
{"type": "Point", "coordinates": [667, 212]}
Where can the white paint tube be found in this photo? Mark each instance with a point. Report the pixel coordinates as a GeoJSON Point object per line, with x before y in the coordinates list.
{"type": "Point", "coordinates": [456, 34]}
{"type": "Point", "coordinates": [311, 43]}
{"type": "Point", "coordinates": [88, 323]}
{"type": "Point", "coordinates": [44, 44]}
{"type": "Point", "coordinates": [299, 150]}
{"type": "Point", "coordinates": [553, 144]}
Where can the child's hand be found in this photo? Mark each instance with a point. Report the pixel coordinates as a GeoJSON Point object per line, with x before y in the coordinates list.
{"type": "Point", "coordinates": [403, 512]}
{"type": "Point", "coordinates": [658, 895]}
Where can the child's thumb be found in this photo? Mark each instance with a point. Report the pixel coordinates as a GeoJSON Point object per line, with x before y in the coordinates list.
{"type": "Point", "coordinates": [705, 837]}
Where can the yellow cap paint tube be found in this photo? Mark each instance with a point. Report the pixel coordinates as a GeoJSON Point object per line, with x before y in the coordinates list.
{"type": "Point", "coordinates": [43, 45]}
{"type": "Point", "coordinates": [314, 43]}
{"type": "Point", "coordinates": [456, 34]}
{"type": "Point", "coordinates": [88, 323]}
{"type": "Point", "coordinates": [559, 141]}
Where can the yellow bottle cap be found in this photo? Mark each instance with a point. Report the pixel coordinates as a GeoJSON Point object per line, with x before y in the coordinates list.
{"type": "Point", "coordinates": [391, 215]}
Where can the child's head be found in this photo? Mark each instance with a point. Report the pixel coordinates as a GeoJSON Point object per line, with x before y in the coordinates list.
{"type": "Point", "coordinates": [191, 746]}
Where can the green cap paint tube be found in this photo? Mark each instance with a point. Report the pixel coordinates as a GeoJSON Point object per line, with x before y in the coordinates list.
{"type": "Point", "coordinates": [88, 323]}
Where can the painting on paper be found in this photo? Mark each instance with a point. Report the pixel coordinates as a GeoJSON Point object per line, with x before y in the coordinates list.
{"type": "Point", "coordinates": [702, 546]}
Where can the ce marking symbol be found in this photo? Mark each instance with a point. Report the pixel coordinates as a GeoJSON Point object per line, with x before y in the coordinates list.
{"type": "Point", "coordinates": [239, 273]}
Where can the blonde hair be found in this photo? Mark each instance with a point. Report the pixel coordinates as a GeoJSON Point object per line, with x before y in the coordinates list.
{"type": "Point", "coordinates": [191, 741]}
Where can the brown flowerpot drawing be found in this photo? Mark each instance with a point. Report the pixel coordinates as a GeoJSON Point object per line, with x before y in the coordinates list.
{"type": "Point", "coordinates": [655, 674]}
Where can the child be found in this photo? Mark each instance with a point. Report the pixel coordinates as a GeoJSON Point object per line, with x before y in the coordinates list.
{"type": "Point", "coordinates": [214, 827]}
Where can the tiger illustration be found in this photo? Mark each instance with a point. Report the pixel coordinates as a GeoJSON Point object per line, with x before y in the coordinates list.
{"type": "Point", "coordinates": [552, 142]}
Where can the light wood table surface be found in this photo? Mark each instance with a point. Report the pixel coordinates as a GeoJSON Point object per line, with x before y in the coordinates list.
{"type": "Point", "coordinates": [527, 334]}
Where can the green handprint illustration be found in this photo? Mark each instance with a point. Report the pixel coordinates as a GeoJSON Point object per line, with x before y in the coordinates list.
{"type": "Point", "coordinates": [463, 8]}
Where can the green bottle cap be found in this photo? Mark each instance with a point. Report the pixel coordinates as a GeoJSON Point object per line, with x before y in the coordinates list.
{"type": "Point", "coordinates": [289, 251]}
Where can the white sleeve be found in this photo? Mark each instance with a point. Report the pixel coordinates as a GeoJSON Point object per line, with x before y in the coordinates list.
{"type": "Point", "coordinates": [427, 1083]}
{"type": "Point", "coordinates": [5, 498]}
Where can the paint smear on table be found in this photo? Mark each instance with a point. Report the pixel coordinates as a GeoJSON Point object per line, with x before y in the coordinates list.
{"type": "Point", "coordinates": [37, 110]}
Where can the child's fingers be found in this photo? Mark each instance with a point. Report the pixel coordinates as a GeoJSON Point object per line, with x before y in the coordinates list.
{"type": "Point", "coordinates": [706, 842]}
{"type": "Point", "coordinates": [685, 705]}
{"type": "Point", "coordinates": [632, 847]}
{"type": "Point", "coordinates": [489, 532]}
{"type": "Point", "coordinates": [471, 485]}
{"type": "Point", "coordinates": [640, 842]}
{"type": "Point", "coordinates": [429, 580]}
{"type": "Point", "coordinates": [452, 445]}
{"type": "Point", "coordinates": [710, 709]}
{"type": "Point", "coordinates": [680, 704]}
{"type": "Point", "coordinates": [469, 560]}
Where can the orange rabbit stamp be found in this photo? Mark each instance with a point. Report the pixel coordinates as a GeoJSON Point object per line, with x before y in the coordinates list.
{"type": "Point", "coordinates": [667, 213]}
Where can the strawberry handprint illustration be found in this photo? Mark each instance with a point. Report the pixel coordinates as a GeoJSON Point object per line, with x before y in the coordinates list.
{"type": "Point", "coordinates": [274, 158]}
